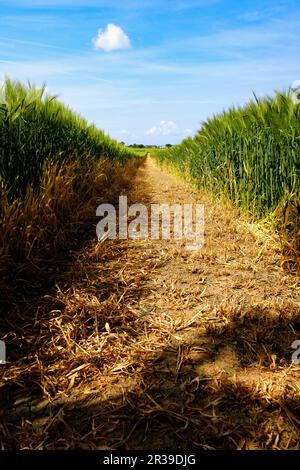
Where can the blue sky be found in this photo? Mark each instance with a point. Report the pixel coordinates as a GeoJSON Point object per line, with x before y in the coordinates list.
{"type": "Point", "coordinates": [151, 71]}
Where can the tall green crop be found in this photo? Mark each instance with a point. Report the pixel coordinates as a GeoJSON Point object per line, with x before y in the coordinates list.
{"type": "Point", "coordinates": [250, 153]}
{"type": "Point", "coordinates": [36, 129]}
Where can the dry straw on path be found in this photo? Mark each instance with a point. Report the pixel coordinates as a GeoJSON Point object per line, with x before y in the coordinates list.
{"type": "Point", "coordinates": [144, 345]}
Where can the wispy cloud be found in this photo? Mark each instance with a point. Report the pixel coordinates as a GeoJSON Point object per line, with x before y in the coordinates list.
{"type": "Point", "coordinates": [111, 4]}
{"type": "Point", "coordinates": [24, 42]}
{"type": "Point", "coordinates": [191, 4]}
{"type": "Point", "coordinates": [128, 135]}
{"type": "Point", "coordinates": [188, 131]}
{"type": "Point", "coordinates": [253, 15]}
{"type": "Point", "coordinates": [167, 130]}
{"type": "Point", "coordinates": [254, 37]}
{"type": "Point", "coordinates": [32, 20]}
{"type": "Point", "coordinates": [163, 128]}
{"type": "Point", "coordinates": [111, 39]}
{"type": "Point", "coordinates": [38, 70]}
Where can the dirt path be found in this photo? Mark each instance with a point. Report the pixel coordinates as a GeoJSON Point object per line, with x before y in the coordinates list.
{"type": "Point", "coordinates": [166, 348]}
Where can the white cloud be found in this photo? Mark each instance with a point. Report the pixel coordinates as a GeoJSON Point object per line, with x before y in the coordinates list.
{"type": "Point", "coordinates": [112, 39]}
{"type": "Point", "coordinates": [164, 128]}
{"type": "Point", "coordinates": [251, 15]}
{"type": "Point", "coordinates": [127, 134]}
{"type": "Point", "coordinates": [188, 131]}
{"type": "Point", "coordinates": [169, 128]}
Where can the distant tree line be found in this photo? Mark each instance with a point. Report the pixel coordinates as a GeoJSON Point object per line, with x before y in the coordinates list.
{"type": "Point", "coordinates": [142, 146]}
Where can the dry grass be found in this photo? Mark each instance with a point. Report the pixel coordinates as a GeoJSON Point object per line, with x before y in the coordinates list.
{"type": "Point", "coordinates": [144, 345]}
{"type": "Point", "coordinates": [288, 226]}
